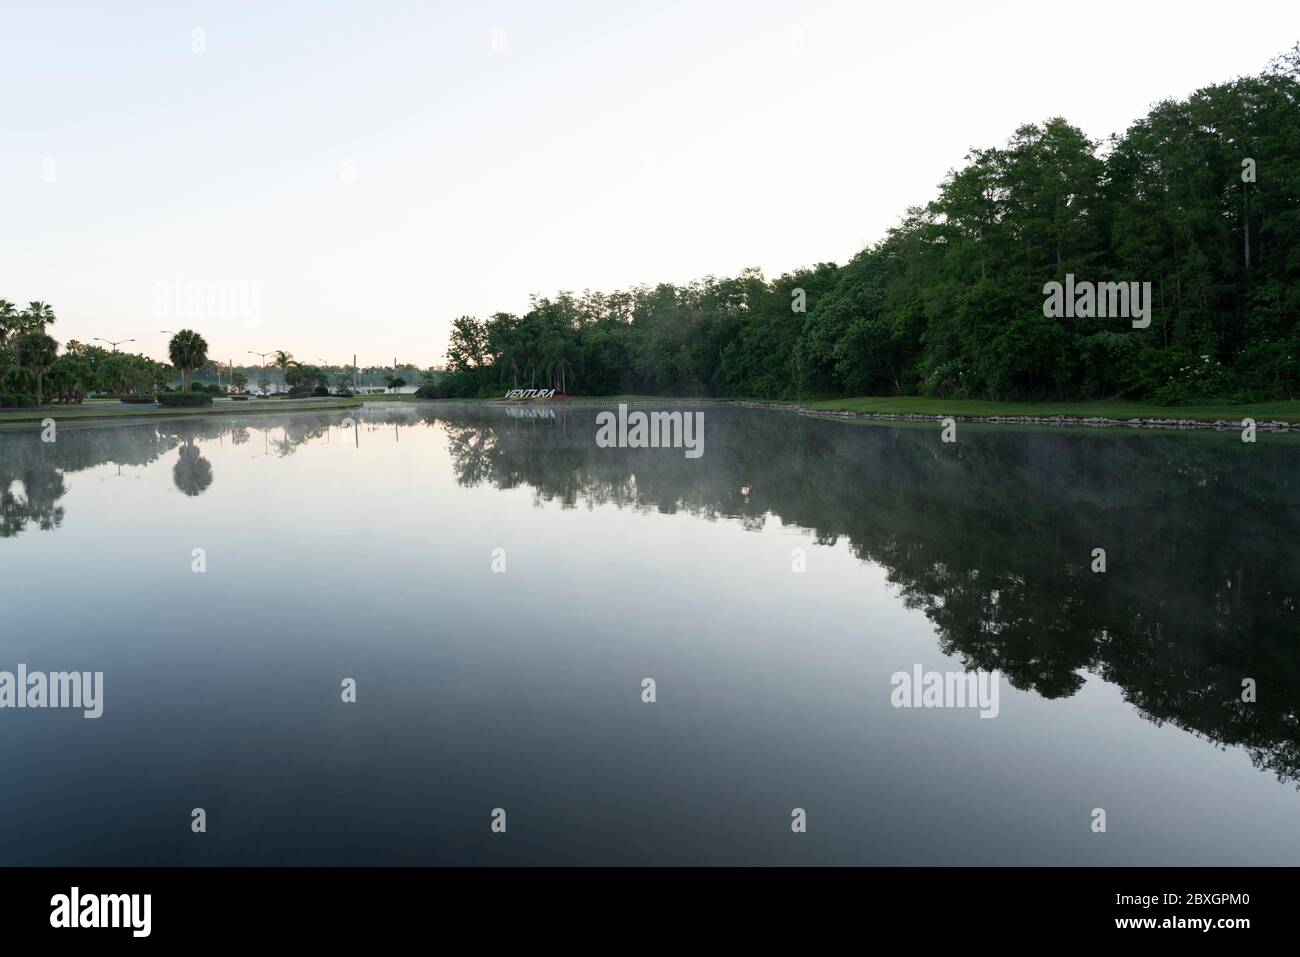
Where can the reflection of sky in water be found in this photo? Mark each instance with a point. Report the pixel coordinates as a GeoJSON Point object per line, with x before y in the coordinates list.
{"type": "Point", "coordinates": [333, 552]}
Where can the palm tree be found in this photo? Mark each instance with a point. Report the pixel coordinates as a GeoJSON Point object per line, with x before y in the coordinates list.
{"type": "Point", "coordinates": [563, 367]}
{"type": "Point", "coordinates": [10, 321]}
{"type": "Point", "coordinates": [510, 360]}
{"type": "Point", "coordinates": [283, 360]}
{"type": "Point", "coordinates": [38, 315]}
{"type": "Point", "coordinates": [37, 352]}
{"type": "Point", "coordinates": [188, 351]}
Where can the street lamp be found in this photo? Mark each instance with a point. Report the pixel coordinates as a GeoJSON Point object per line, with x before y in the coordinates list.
{"type": "Point", "coordinates": [263, 356]}
{"type": "Point", "coordinates": [112, 343]}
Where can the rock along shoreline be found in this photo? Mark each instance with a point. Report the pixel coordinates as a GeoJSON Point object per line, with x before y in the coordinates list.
{"type": "Point", "coordinates": [1069, 421]}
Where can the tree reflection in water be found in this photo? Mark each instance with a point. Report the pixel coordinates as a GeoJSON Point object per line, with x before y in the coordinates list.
{"type": "Point", "coordinates": [991, 537]}
{"type": "Point", "coordinates": [192, 472]}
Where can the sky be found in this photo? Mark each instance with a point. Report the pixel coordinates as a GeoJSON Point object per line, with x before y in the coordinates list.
{"type": "Point", "coordinates": [340, 178]}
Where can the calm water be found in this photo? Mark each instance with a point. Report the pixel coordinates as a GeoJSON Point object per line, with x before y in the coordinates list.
{"type": "Point", "coordinates": [367, 552]}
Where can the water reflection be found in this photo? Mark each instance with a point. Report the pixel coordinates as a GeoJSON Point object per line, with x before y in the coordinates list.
{"type": "Point", "coordinates": [990, 538]}
{"type": "Point", "coordinates": [40, 486]}
{"type": "Point", "coordinates": [192, 472]}
{"type": "Point", "coordinates": [32, 472]}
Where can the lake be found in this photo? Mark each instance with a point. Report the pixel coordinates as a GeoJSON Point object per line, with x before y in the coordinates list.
{"type": "Point", "coordinates": [498, 586]}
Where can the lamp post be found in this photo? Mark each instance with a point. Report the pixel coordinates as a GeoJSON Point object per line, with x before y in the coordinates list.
{"type": "Point", "coordinates": [112, 343]}
{"type": "Point", "coordinates": [263, 356]}
{"type": "Point", "coordinates": [170, 332]}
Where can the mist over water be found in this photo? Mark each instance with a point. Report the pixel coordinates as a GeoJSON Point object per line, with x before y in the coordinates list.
{"type": "Point", "coordinates": [366, 550]}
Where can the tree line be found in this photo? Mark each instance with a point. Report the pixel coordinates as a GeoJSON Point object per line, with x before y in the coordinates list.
{"type": "Point", "coordinates": [34, 372]}
{"type": "Point", "coordinates": [1200, 198]}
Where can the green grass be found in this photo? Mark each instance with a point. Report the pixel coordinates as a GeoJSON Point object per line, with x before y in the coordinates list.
{"type": "Point", "coordinates": [1287, 411]}
{"type": "Point", "coordinates": [572, 400]}
{"type": "Point", "coordinates": [615, 399]}
{"type": "Point", "coordinates": [96, 409]}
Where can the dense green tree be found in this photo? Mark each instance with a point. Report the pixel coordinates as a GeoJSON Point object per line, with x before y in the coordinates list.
{"type": "Point", "coordinates": [304, 378]}
{"type": "Point", "coordinates": [36, 352]}
{"type": "Point", "coordinates": [950, 301]}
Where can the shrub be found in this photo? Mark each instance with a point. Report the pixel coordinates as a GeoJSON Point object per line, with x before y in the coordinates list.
{"type": "Point", "coordinates": [8, 401]}
{"type": "Point", "coordinates": [320, 391]}
{"type": "Point", "coordinates": [1198, 377]}
{"type": "Point", "coordinates": [239, 398]}
{"type": "Point", "coordinates": [184, 399]}
{"type": "Point", "coordinates": [26, 401]}
{"type": "Point", "coordinates": [138, 399]}
{"type": "Point", "coordinates": [427, 392]}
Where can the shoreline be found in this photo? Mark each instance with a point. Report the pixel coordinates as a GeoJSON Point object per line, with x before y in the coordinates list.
{"type": "Point", "coordinates": [1091, 422]}
{"type": "Point", "coordinates": [1217, 424]}
{"type": "Point", "coordinates": [82, 413]}
{"type": "Point", "coordinates": [1264, 418]}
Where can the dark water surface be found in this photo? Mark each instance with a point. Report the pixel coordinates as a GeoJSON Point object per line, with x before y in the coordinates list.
{"type": "Point", "coordinates": [367, 552]}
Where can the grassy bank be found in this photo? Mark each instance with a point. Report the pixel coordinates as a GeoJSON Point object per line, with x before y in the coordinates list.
{"type": "Point", "coordinates": [1286, 411]}
{"type": "Point", "coordinates": [103, 410]}
{"type": "Point", "coordinates": [1118, 410]}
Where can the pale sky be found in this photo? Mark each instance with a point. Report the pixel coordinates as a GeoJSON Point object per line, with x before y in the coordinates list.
{"type": "Point", "coordinates": [363, 172]}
